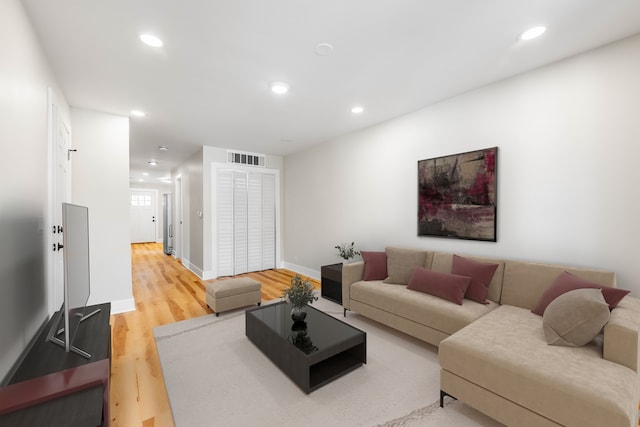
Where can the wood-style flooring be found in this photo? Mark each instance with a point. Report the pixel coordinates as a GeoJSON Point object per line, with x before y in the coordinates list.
{"type": "Point", "coordinates": [164, 292]}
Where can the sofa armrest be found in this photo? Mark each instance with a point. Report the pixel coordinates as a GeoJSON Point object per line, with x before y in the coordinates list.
{"type": "Point", "coordinates": [351, 273]}
{"type": "Point", "coordinates": [622, 334]}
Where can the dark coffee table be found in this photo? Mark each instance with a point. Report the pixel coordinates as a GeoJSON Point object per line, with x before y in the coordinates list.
{"type": "Point", "coordinates": [312, 352]}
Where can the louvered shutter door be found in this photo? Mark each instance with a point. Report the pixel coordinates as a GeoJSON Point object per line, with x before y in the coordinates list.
{"type": "Point", "coordinates": [254, 236]}
{"type": "Point", "coordinates": [268, 221]}
{"type": "Point", "coordinates": [240, 219]}
{"type": "Point", "coordinates": [224, 215]}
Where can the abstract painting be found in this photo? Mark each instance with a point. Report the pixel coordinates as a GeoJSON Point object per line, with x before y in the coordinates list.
{"type": "Point", "coordinates": [457, 196]}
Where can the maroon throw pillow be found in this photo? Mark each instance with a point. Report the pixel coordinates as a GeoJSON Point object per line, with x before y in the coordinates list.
{"type": "Point", "coordinates": [566, 282]}
{"type": "Point", "coordinates": [375, 265]}
{"type": "Point", "coordinates": [481, 274]}
{"type": "Point", "coordinates": [448, 286]}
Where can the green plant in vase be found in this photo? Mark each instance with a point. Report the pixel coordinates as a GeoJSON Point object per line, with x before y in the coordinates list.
{"type": "Point", "coordinates": [299, 294]}
{"type": "Point", "coordinates": [347, 251]}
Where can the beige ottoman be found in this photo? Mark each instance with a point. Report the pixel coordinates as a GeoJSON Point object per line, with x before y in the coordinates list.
{"type": "Point", "coordinates": [233, 293]}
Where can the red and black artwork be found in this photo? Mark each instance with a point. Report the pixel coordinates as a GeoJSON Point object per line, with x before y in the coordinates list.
{"type": "Point", "coordinates": [457, 196]}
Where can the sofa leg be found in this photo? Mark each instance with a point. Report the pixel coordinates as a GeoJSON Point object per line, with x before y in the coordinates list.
{"type": "Point", "coordinates": [345, 312]}
{"type": "Point", "coordinates": [259, 304]}
{"type": "Point", "coordinates": [217, 314]}
{"type": "Point", "coordinates": [442, 396]}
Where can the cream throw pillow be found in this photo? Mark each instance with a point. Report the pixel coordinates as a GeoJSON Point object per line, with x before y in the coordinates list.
{"type": "Point", "coordinates": [401, 262]}
{"type": "Point", "coordinates": [575, 318]}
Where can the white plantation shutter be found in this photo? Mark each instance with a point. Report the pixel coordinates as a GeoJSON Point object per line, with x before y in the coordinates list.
{"type": "Point", "coordinates": [224, 215]}
{"type": "Point", "coordinates": [268, 221]}
{"type": "Point", "coordinates": [245, 221]}
{"type": "Point", "coordinates": [240, 222]}
{"type": "Point", "coordinates": [254, 247]}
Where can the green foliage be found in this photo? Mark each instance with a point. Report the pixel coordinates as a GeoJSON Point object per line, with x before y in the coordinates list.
{"type": "Point", "coordinates": [347, 251]}
{"type": "Point", "coordinates": [300, 293]}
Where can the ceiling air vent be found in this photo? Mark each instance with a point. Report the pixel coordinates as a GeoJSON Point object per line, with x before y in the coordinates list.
{"type": "Point", "coordinates": [243, 158]}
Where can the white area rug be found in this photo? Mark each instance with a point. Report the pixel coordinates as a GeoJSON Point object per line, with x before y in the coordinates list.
{"type": "Point", "coordinates": [216, 376]}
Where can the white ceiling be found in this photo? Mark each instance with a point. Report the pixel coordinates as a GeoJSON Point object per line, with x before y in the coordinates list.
{"type": "Point", "coordinates": [209, 84]}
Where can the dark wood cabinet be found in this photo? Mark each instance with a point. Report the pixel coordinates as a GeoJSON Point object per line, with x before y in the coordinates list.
{"type": "Point", "coordinates": [331, 282]}
{"type": "Point", "coordinates": [53, 387]}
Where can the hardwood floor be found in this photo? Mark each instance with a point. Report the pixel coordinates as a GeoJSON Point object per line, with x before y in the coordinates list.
{"type": "Point", "coordinates": [164, 292]}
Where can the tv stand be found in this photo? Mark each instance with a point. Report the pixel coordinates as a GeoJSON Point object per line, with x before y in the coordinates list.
{"type": "Point", "coordinates": [53, 387]}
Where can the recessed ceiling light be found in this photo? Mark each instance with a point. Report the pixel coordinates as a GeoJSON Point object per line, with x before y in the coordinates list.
{"type": "Point", "coordinates": [532, 33]}
{"type": "Point", "coordinates": [153, 162]}
{"type": "Point", "coordinates": [140, 180]}
{"type": "Point", "coordinates": [151, 40]}
{"type": "Point", "coordinates": [358, 109]}
{"type": "Point", "coordinates": [286, 140]}
{"type": "Point", "coordinates": [279, 87]}
{"type": "Point", "coordinates": [163, 148]}
{"type": "Point", "coordinates": [138, 113]}
{"type": "Point", "coordinates": [324, 49]}
{"type": "Point", "coordinates": [145, 173]}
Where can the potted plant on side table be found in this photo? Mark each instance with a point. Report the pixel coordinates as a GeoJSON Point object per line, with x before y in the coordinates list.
{"type": "Point", "coordinates": [347, 251]}
{"type": "Point", "coordinates": [299, 294]}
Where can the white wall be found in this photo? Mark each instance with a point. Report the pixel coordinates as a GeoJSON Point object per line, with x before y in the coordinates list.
{"type": "Point", "coordinates": [100, 181]}
{"type": "Point", "coordinates": [25, 77]}
{"type": "Point", "coordinates": [567, 170]}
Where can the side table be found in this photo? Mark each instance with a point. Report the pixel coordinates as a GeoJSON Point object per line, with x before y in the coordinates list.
{"type": "Point", "coordinates": [331, 282]}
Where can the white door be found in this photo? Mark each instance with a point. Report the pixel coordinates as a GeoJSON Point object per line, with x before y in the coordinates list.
{"type": "Point", "coordinates": [224, 222]}
{"type": "Point", "coordinates": [143, 216]}
{"type": "Point", "coordinates": [240, 220]}
{"type": "Point", "coordinates": [61, 179]}
{"type": "Point", "coordinates": [245, 206]}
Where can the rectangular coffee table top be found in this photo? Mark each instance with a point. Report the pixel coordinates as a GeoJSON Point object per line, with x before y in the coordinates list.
{"type": "Point", "coordinates": [323, 330]}
{"type": "Point", "coordinates": [312, 352]}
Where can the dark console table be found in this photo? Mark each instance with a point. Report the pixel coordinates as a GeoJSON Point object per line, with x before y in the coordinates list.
{"type": "Point", "coordinates": [331, 282]}
{"type": "Point", "coordinates": [53, 387]}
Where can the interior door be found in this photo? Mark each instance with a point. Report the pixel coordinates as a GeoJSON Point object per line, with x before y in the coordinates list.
{"type": "Point", "coordinates": [143, 216]}
{"type": "Point", "coordinates": [61, 158]}
{"type": "Point", "coordinates": [245, 206]}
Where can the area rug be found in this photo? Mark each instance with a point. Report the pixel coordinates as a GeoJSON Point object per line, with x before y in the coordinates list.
{"type": "Point", "coordinates": [215, 376]}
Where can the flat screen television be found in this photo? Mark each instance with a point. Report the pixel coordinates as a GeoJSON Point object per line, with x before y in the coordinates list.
{"type": "Point", "coordinates": [75, 249]}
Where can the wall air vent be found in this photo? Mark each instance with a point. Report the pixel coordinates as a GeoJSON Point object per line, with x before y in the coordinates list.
{"type": "Point", "coordinates": [244, 158]}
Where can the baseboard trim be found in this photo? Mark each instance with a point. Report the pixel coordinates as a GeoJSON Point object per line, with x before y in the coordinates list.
{"type": "Point", "coordinates": [208, 275]}
{"type": "Point", "coordinates": [303, 271]}
{"type": "Point", "coordinates": [192, 268]}
{"type": "Point", "coordinates": [123, 306]}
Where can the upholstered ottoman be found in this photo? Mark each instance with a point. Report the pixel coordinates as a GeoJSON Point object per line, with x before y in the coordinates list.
{"type": "Point", "coordinates": [233, 293]}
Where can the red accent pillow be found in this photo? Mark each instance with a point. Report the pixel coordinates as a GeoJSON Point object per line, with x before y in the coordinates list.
{"type": "Point", "coordinates": [566, 282]}
{"type": "Point", "coordinates": [448, 286]}
{"type": "Point", "coordinates": [375, 265]}
{"type": "Point", "coordinates": [481, 274]}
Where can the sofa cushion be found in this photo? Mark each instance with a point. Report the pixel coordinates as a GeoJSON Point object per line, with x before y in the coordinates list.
{"type": "Point", "coordinates": [480, 273]}
{"type": "Point", "coordinates": [375, 265]}
{"type": "Point", "coordinates": [447, 286]}
{"type": "Point", "coordinates": [419, 307]}
{"type": "Point", "coordinates": [525, 282]}
{"type": "Point", "coordinates": [443, 261]}
{"type": "Point", "coordinates": [566, 282]}
{"type": "Point", "coordinates": [506, 349]}
{"type": "Point", "coordinates": [575, 318]}
{"type": "Point", "coordinates": [401, 262]}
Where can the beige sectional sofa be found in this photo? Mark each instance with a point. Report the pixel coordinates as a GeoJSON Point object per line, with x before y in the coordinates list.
{"type": "Point", "coordinates": [494, 356]}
